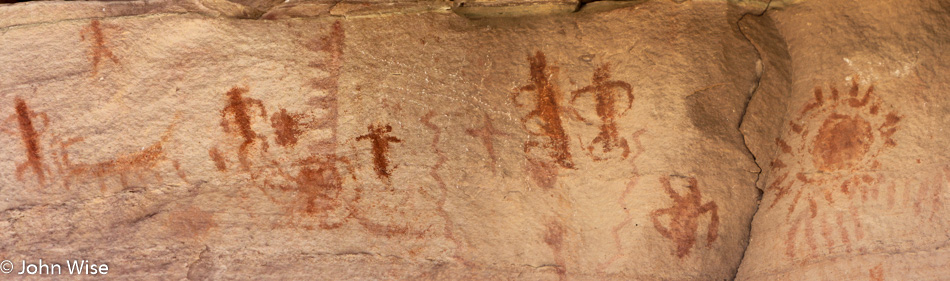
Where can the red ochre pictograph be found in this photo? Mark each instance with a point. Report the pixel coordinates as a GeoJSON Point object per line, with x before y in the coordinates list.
{"type": "Point", "coordinates": [544, 123]}
{"type": "Point", "coordinates": [99, 48]}
{"type": "Point", "coordinates": [684, 216]}
{"type": "Point", "coordinates": [42, 149]}
{"type": "Point", "coordinates": [25, 120]}
{"type": "Point", "coordinates": [622, 202]}
{"type": "Point", "coordinates": [380, 140]}
{"type": "Point", "coordinates": [828, 162]}
{"type": "Point", "coordinates": [486, 134]}
{"type": "Point", "coordinates": [602, 90]}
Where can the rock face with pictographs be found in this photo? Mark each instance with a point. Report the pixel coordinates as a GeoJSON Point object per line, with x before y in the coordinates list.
{"type": "Point", "coordinates": [847, 130]}
{"type": "Point", "coordinates": [434, 140]}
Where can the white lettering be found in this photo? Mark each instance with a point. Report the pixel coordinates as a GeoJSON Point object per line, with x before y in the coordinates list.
{"type": "Point", "coordinates": [31, 269]}
{"type": "Point", "coordinates": [73, 267]}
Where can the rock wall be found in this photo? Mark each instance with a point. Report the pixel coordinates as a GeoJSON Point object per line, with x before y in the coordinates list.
{"type": "Point", "coordinates": [850, 141]}
{"type": "Point", "coordinates": [535, 140]}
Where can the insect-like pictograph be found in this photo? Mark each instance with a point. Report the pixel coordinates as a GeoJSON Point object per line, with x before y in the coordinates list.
{"type": "Point", "coordinates": [684, 217]}
{"type": "Point", "coordinates": [602, 89]}
{"type": "Point", "coordinates": [829, 155]}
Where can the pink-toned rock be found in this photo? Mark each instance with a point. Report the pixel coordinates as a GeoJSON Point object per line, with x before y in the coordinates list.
{"type": "Point", "coordinates": [578, 146]}
{"type": "Point", "coordinates": [435, 140]}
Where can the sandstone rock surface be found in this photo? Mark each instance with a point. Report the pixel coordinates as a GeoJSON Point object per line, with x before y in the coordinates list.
{"type": "Point", "coordinates": [849, 137]}
{"type": "Point", "coordinates": [485, 140]}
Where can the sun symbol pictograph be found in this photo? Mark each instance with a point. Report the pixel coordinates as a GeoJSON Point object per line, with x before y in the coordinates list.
{"type": "Point", "coordinates": [830, 153]}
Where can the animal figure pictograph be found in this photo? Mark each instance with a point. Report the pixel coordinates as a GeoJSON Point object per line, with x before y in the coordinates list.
{"type": "Point", "coordinates": [684, 217]}
{"type": "Point", "coordinates": [602, 89]}
{"type": "Point", "coordinates": [140, 165]}
{"type": "Point", "coordinates": [380, 139]}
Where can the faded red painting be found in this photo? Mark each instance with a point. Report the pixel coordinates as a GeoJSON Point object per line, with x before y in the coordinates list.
{"type": "Point", "coordinates": [126, 170]}
{"type": "Point", "coordinates": [486, 134]}
{"type": "Point", "coordinates": [448, 229]}
{"type": "Point", "coordinates": [330, 47]}
{"type": "Point", "coordinates": [622, 201]}
{"type": "Point", "coordinates": [191, 223]}
{"type": "Point", "coordinates": [828, 160]}
{"type": "Point", "coordinates": [554, 235]}
{"type": "Point", "coordinates": [685, 215]}
{"type": "Point", "coordinates": [99, 45]}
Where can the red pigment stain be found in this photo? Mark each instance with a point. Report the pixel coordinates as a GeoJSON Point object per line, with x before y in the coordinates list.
{"type": "Point", "coordinates": [287, 127]}
{"type": "Point", "coordinates": [181, 174]}
{"type": "Point", "coordinates": [191, 222]}
{"type": "Point", "coordinates": [219, 162]}
{"type": "Point", "coordinates": [544, 173]}
{"type": "Point", "coordinates": [554, 238]}
{"type": "Point", "coordinates": [877, 273]}
{"type": "Point", "coordinates": [783, 145]}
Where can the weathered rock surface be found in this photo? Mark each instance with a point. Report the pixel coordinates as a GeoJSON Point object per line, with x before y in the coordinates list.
{"type": "Point", "coordinates": [457, 140]}
{"type": "Point", "coordinates": [850, 139]}
{"type": "Point", "coordinates": [415, 146]}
